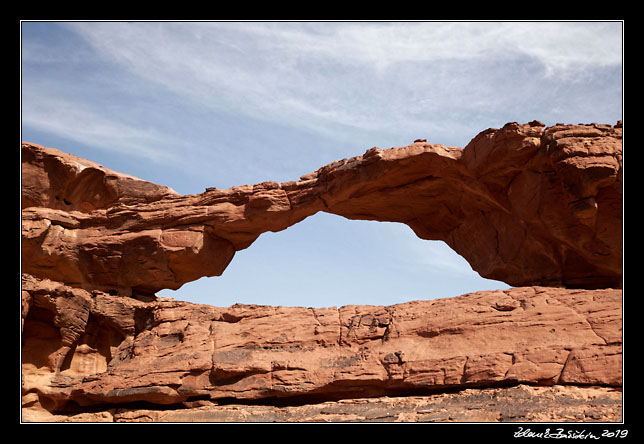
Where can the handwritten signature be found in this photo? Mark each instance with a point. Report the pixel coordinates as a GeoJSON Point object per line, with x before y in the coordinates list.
{"type": "Point", "coordinates": [561, 433]}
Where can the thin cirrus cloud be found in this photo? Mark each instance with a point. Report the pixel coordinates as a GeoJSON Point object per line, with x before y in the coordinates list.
{"type": "Point", "coordinates": [178, 92]}
{"type": "Point", "coordinates": [227, 103]}
{"type": "Point", "coordinates": [336, 78]}
{"type": "Point", "coordinates": [382, 81]}
{"type": "Point", "coordinates": [78, 122]}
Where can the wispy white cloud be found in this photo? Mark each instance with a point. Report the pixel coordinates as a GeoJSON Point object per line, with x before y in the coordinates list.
{"type": "Point", "coordinates": [425, 256]}
{"type": "Point", "coordinates": [437, 257]}
{"type": "Point", "coordinates": [76, 121]}
{"type": "Point", "coordinates": [128, 86]}
{"type": "Point", "coordinates": [341, 77]}
{"type": "Point", "coordinates": [557, 45]}
{"type": "Point", "coordinates": [237, 103]}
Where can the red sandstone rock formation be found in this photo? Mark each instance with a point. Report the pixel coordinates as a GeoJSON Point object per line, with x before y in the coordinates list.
{"type": "Point", "coordinates": [62, 181]}
{"type": "Point", "coordinates": [521, 403]}
{"type": "Point", "coordinates": [523, 204]}
{"type": "Point", "coordinates": [82, 348]}
{"type": "Point", "coordinates": [536, 207]}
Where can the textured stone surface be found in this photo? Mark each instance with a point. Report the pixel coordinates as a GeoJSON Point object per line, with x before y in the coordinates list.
{"type": "Point", "coordinates": [53, 179]}
{"type": "Point", "coordinates": [84, 349]}
{"type": "Point", "coordinates": [539, 208]}
{"type": "Point", "coordinates": [513, 404]}
{"type": "Point", "coordinates": [523, 204]}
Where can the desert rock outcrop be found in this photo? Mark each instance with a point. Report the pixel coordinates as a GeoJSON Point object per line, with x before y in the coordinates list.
{"type": "Point", "coordinates": [82, 348]}
{"type": "Point", "coordinates": [523, 204]}
{"type": "Point", "coordinates": [539, 208]}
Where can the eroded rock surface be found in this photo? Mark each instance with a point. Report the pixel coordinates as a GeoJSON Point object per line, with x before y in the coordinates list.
{"type": "Point", "coordinates": [523, 204]}
{"type": "Point", "coordinates": [521, 403]}
{"type": "Point", "coordinates": [83, 349]}
{"type": "Point", "coordinates": [539, 208]}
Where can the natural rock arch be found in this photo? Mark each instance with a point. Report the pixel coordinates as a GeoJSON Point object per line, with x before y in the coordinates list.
{"type": "Point", "coordinates": [523, 204]}
{"type": "Point", "coordinates": [327, 260]}
{"type": "Point", "coordinates": [532, 206]}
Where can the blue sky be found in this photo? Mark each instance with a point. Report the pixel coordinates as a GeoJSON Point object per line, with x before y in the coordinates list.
{"type": "Point", "coordinates": [192, 105]}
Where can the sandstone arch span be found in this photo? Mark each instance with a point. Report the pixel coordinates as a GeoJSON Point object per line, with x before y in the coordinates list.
{"type": "Point", "coordinates": [523, 204]}
{"type": "Point", "coordinates": [535, 207]}
{"type": "Point", "coordinates": [326, 260]}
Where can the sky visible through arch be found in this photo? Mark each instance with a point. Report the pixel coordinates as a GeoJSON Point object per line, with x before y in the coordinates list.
{"type": "Point", "coordinates": [192, 105]}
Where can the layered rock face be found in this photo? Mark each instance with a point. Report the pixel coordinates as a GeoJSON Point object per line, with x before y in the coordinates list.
{"type": "Point", "coordinates": [83, 350]}
{"type": "Point", "coordinates": [539, 208]}
{"type": "Point", "coordinates": [523, 204]}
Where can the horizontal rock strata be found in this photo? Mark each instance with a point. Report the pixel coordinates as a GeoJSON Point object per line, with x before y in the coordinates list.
{"type": "Point", "coordinates": [84, 349]}
{"type": "Point", "coordinates": [539, 208]}
{"type": "Point", "coordinates": [512, 404]}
